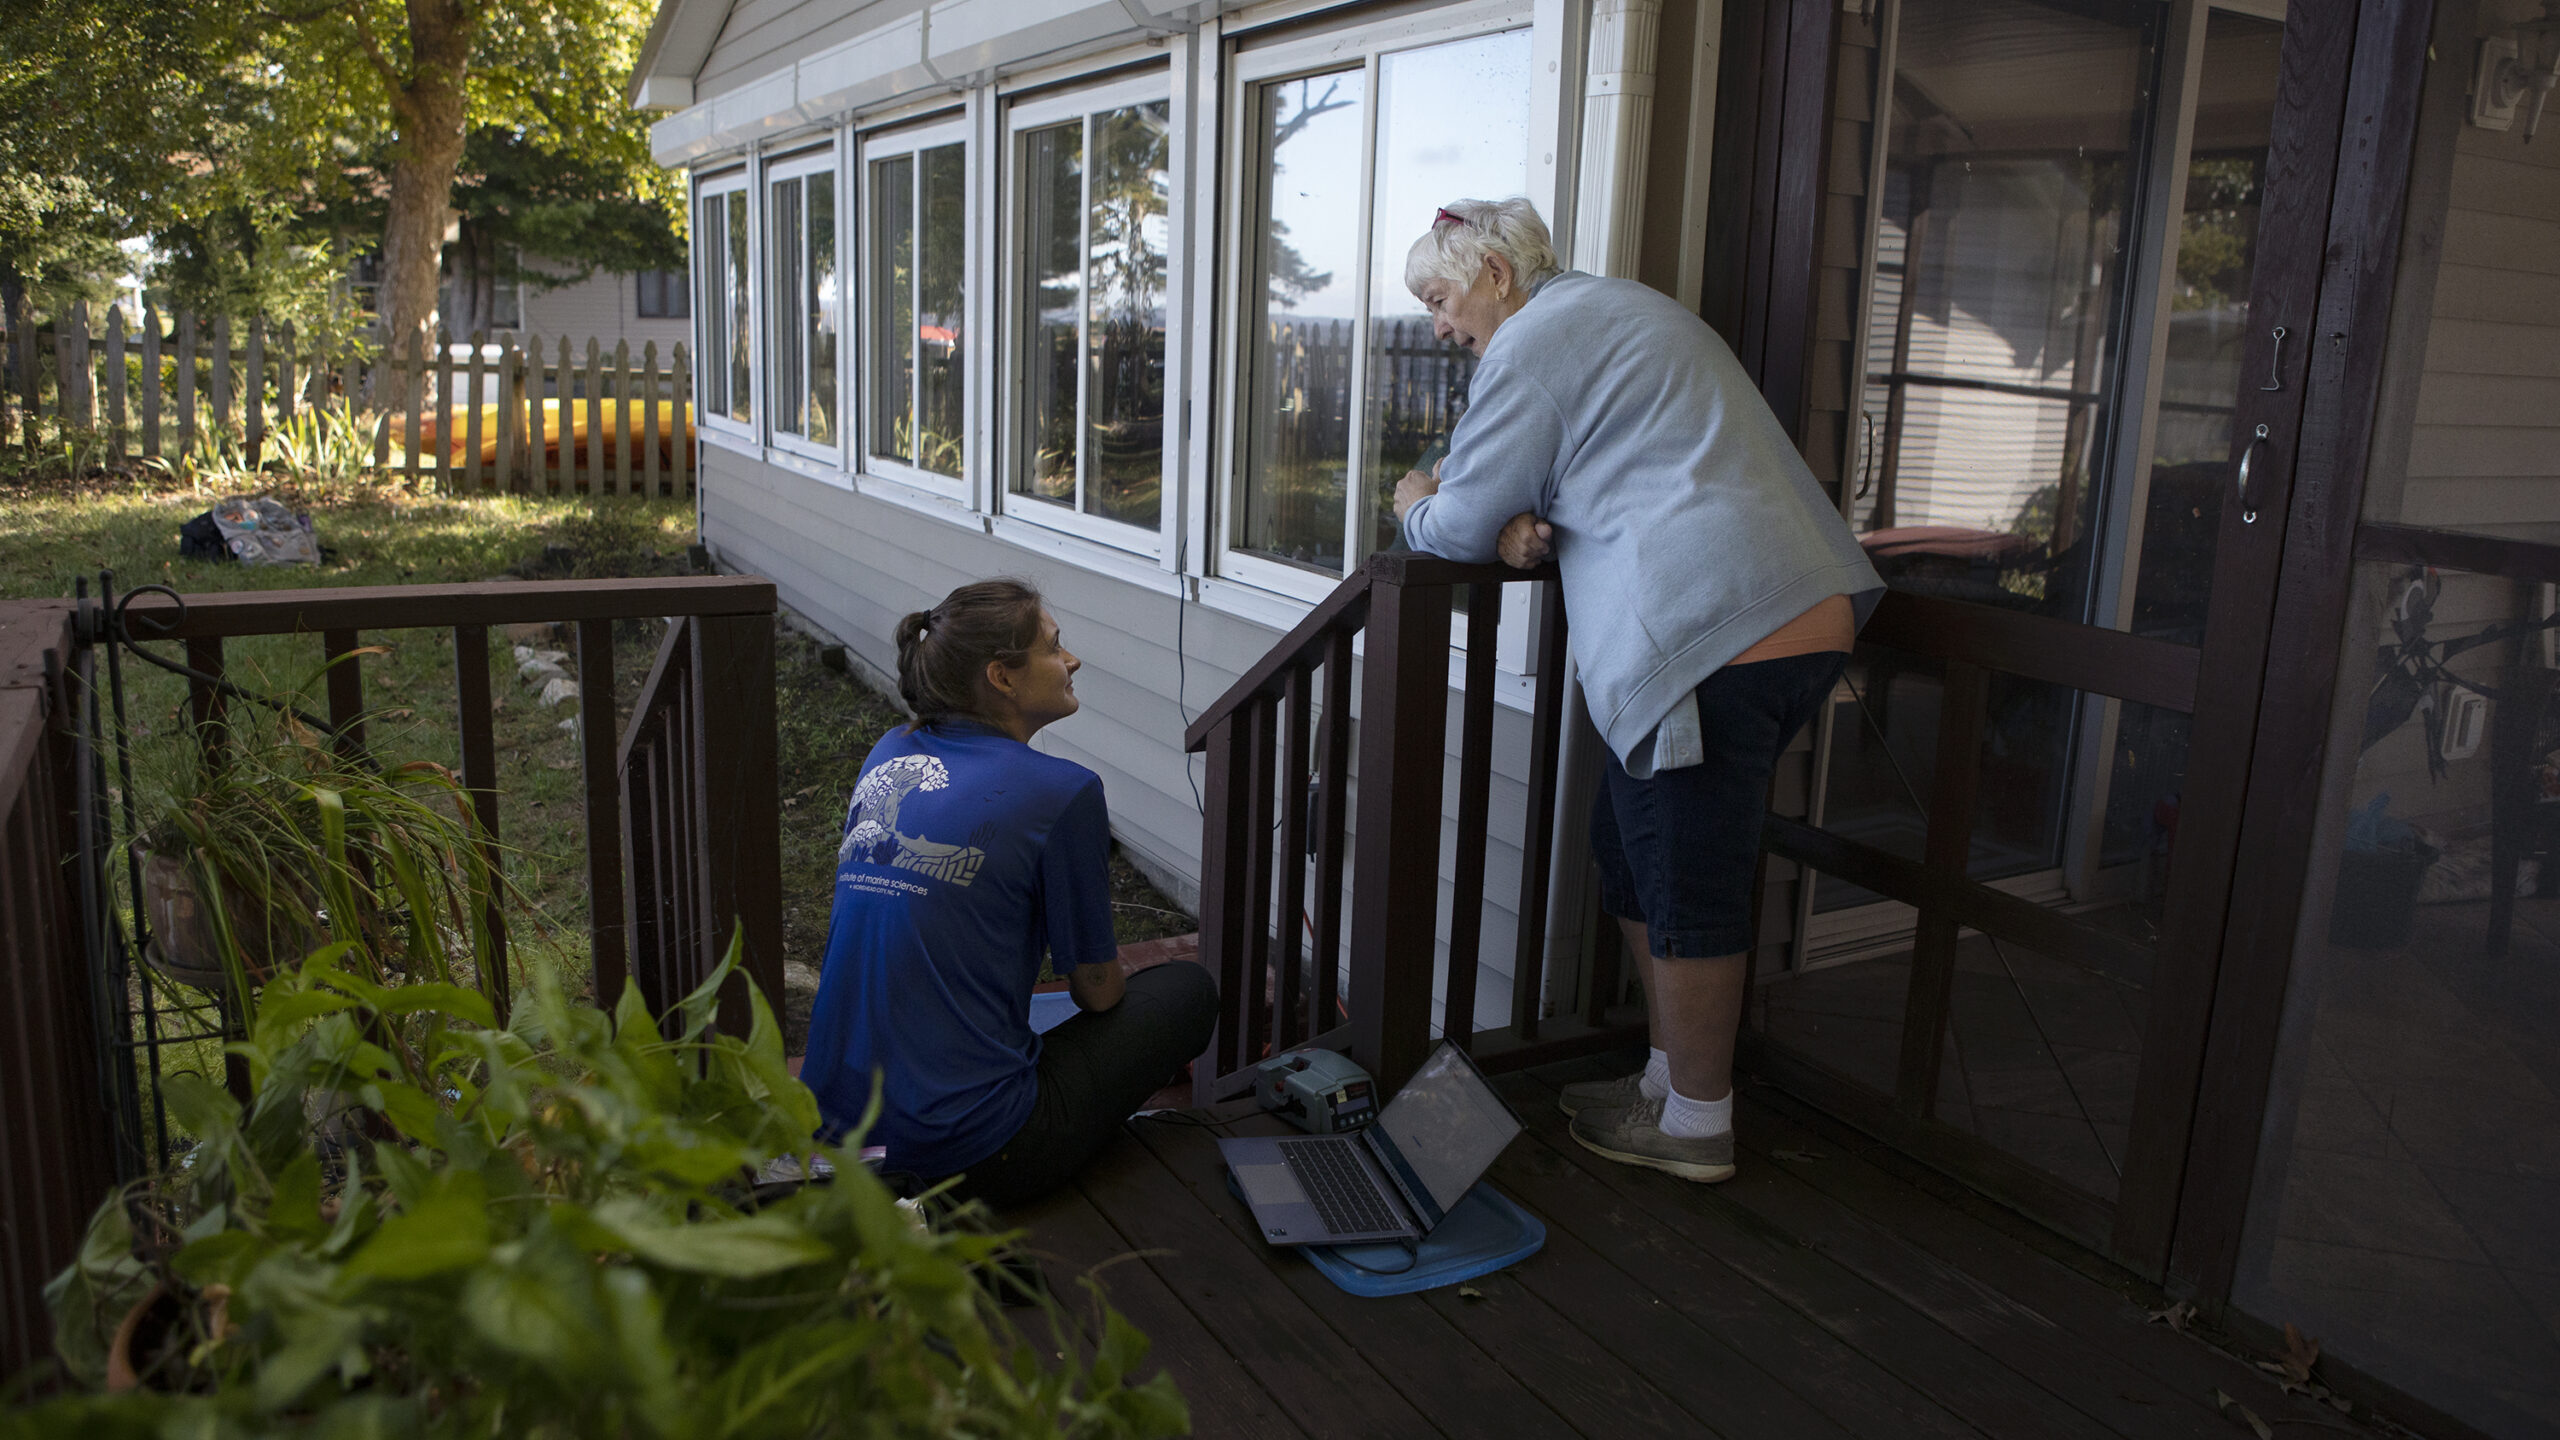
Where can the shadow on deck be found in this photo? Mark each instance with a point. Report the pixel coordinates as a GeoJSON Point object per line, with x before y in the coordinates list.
{"type": "Point", "coordinates": [1825, 1291]}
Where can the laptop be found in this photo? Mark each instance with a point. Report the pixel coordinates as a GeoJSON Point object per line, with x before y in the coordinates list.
{"type": "Point", "coordinates": [1393, 1180]}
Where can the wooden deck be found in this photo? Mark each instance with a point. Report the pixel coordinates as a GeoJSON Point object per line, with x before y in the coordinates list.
{"type": "Point", "coordinates": [1824, 1292]}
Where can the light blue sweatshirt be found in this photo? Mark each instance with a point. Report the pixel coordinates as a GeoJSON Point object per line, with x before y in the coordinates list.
{"type": "Point", "coordinates": [1686, 525]}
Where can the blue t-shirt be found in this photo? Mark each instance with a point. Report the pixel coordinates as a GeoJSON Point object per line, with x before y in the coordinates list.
{"type": "Point", "coordinates": [965, 854]}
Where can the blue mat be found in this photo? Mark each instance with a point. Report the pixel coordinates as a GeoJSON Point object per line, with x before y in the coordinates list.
{"type": "Point", "coordinates": [1485, 1233]}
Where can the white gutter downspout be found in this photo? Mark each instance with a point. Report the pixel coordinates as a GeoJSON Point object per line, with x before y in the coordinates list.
{"type": "Point", "coordinates": [1617, 133]}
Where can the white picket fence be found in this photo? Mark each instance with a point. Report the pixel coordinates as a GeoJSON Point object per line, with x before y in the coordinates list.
{"type": "Point", "coordinates": [496, 418]}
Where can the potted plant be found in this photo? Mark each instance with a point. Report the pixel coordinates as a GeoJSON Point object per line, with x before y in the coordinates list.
{"type": "Point", "coordinates": [279, 842]}
{"type": "Point", "coordinates": [432, 1218]}
{"type": "Point", "coordinates": [557, 1236]}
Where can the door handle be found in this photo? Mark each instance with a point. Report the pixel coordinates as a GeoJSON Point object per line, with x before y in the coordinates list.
{"type": "Point", "coordinates": [2248, 512]}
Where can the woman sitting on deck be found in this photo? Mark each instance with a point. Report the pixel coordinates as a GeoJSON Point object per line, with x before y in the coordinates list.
{"type": "Point", "coordinates": [967, 855]}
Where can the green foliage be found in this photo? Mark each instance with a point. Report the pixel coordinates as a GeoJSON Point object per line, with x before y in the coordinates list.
{"type": "Point", "coordinates": [2215, 231]}
{"type": "Point", "coordinates": [544, 1228]}
{"type": "Point", "coordinates": [102, 106]}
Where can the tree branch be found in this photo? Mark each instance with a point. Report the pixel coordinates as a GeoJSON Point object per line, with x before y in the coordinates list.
{"type": "Point", "coordinates": [374, 52]}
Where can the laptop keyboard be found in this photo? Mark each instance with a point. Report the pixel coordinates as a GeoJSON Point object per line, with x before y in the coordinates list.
{"type": "Point", "coordinates": [1342, 1191]}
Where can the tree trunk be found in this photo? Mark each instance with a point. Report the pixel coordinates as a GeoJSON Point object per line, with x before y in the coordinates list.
{"type": "Point", "coordinates": [430, 105]}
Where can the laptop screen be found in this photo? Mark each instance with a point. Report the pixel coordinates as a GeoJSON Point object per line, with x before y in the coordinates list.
{"type": "Point", "coordinates": [1448, 1125]}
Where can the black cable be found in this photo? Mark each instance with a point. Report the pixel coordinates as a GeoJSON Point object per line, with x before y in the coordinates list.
{"type": "Point", "coordinates": [1182, 677]}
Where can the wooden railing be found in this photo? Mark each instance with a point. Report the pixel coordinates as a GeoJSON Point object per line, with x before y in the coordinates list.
{"type": "Point", "coordinates": [700, 816]}
{"type": "Point", "coordinates": [727, 779]}
{"type": "Point", "coordinates": [1280, 746]}
{"type": "Point", "coordinates": [520, 419]}
{"type": "Point", "coordinates": [57, 1150]}
{"type": "Point", "coordinates": [699, 839]}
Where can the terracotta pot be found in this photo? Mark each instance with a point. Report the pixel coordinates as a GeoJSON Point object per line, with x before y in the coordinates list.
{"type": "Point", "coordinates": [183, 944]}
{"type": "Point", "coordinates": [121, 1376]}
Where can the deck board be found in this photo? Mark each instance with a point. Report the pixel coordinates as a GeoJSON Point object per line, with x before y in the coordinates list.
{"type": "Point", "coordinates": [1859, 1172]}
{"type": "Point", "coordinates": [1072, 1238]}
{"type": "Point", "coordinates": [1804, 1300]}
{"type": "Point", "coordinates": [1437, 1365]}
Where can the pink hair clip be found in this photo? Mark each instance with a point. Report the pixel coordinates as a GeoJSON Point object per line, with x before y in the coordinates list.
{"type": "Point", "coordinates": [1446, 214]}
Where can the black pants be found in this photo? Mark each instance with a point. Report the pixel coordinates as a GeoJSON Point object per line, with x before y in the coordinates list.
{"type": "Point", "coordinates": [1094, 1070]}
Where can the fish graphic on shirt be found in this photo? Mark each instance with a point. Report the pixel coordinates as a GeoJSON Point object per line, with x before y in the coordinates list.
{"type": "Point", "coordinates": [871, 823]}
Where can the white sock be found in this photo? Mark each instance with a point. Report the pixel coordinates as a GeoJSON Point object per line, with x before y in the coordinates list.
{"type": "Point", "coordinates": [1687, 1119]}
{"type": "Point", "coordinates": [1657, 1075]}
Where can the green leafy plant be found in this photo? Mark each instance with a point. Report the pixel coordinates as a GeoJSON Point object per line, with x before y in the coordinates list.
{"type": "Point", "coordinates": [278, 839]}
{"type": "Point", "coordinates": [545, 1228]}
{"type": "Point", "coordinates": [324, 447]}
{"type": "Point", "coordinates": [436, 1219]}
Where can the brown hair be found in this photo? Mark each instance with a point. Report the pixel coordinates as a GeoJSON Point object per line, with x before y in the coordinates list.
{"type": "Point", "coordinates": [943, 651]}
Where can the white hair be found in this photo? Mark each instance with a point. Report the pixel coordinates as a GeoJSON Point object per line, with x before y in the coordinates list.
{"type": "Point", "coordinates": [1466, 231]}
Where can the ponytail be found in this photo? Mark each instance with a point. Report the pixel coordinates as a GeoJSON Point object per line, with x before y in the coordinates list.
{"type": "Point", "coordinates": [943, 652]}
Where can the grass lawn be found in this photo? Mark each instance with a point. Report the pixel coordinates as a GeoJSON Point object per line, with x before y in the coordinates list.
{"type": "Point", "coordinates": [54, 531]}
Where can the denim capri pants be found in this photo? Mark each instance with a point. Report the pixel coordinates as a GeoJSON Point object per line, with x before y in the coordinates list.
{"type": "Point", "coordinates": [1677, 851]}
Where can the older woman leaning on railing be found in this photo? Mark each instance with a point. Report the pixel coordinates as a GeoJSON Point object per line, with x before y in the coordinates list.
{"type": "Point", "coordinates": [1716, 593]}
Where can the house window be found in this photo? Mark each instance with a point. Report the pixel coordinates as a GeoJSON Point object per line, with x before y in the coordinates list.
{"type": "Point", "coordinates": [663, 295]}
{"type": "Point", "coordinates": [1340, 386]}
{"type": "Point", "coordinates": [1092, 200]}
{"type": "Point", "coordinates": [801, 300]}
{"type": "Point", "coordinates": [722, 358]}
{"type": "Point", "coordinates": [915, 254]}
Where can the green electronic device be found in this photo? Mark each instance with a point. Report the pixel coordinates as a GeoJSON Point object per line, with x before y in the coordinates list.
{"type": "Point", "coordinates": [1318, 1091]}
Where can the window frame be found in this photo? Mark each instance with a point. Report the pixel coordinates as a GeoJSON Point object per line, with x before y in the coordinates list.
{"type": "Point", "coordinates": [1250, 66]}
{"type": "Point", "coordinates": [888, 143]}
{"type": "Point", "coordinates": [1048, 109]}
{"type": "Point", "coordinates": [709, 271]}
{"type": "Point", "coordinates": [822, 159]}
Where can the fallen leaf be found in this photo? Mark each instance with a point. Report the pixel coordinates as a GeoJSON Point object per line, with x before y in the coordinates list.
{"type": "Point", "coordinates": [1469, 1292]}
{"type": "Point", "coordinates": [2177, 1317]}
{"type": "Point", "coordinates": [2300, 1354]}
{"type": "Point", "coordinates": [2224, 1405]}
{"type": "Point", "coordinates": [1799, 1157]}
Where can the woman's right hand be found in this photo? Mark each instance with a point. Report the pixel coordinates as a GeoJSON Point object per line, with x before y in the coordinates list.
{"type": "Point", "coordinates": [1526, 542]}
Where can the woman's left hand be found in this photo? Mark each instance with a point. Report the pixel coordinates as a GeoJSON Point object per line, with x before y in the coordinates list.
{"type": "Point", "coordinates": [1411, 489]}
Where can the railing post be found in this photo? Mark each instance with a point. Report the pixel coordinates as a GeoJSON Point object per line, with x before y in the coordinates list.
{"type": "Point", "coordinates": [738, 772]}
{"type": "Point", "coordinates": [476, 715]}
{"type": "Point", "coordinates": [1225, 863]}
{"type": "Point", "coordinates": [597, 749]}
{"type": "Point", "coordinates": [1963, 715]}
{"type": "Point", "coordinates": [1395, 904]}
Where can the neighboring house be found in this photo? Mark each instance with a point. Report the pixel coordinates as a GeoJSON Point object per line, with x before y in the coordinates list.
{"type": "Point", "coordinates": [652, 305]}
{"type": "Point", "coordinates": [2174, 358]}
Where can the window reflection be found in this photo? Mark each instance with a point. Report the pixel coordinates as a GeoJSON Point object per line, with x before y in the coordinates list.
{"type": "Point", "coordinates": [741, 336]}
{"type": "Point", "coordinates": [1338, 380]}
{"type": "Point", "coordinates": [2191, 443]}
{"type": "Point", "coordinates": [941, 250]}
{"type": "Point", "coordinates": [818, 310]}
{"type": "Point", "coordinates": [893, 312]}
{"type": "Point", "coordinates": [1096, 222]}
{"type": "Point", "coordinates": [2409, 1173]}
{"type": "Point", "coordinates": [2000, 281]}
{"type": "Point", "coordinates": [1130, 233]}
{"type": "Point", "coordinates": [785, 278]}
{"type": "Point", "coordinates": [1297, 445]}
{"type": "Point", "coordinates": [1450, 126]}
{"type": "Point", "coordinates": [800, 226]}
{"type": "Point", "coordinates": [1053, 199]}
